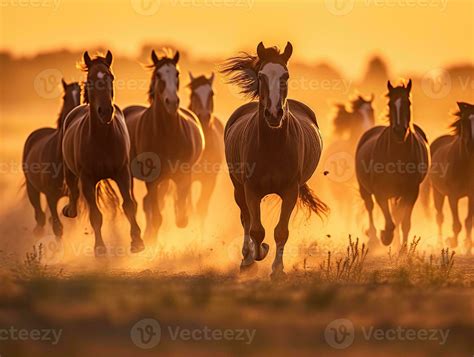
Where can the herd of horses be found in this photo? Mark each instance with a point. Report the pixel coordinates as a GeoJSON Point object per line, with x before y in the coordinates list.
{"type": "Point", "coordinates": [272, 145]}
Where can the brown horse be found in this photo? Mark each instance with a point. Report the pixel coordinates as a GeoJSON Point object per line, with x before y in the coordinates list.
{"type": "Point", "coordinates": [272, 146]}
{"type": "Point", "coordinates": [43, 150]}
{"type": "Point", "coordinates": [351, 124]}
{"type": "Point", "coordinates": [391, 162]}
{"type": "Point", "coordinates": [208, 167]}
{"type": "Point", "coordinates": [455, 153]}
{"type": "Point", "coordinates": [167, 138]}
{"type": "Point", "coordinates": [96, 147]}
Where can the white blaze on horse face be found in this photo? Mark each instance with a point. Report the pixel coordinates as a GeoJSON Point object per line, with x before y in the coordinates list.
{"type": "Point", "coordinates": [100, 75]}
{"type": "Point", "coordinates": [398, 104]}
{"type": "Point", "coordinates": [365, 110]}
{"type": "Point", "coordinates": [75, 97]}
{"type": "Point", "coordinates": [168, 74]}
{"type": "Point", "coordinates": [274, 73]}
{"type": "Point", "coordinates": [203, 92]}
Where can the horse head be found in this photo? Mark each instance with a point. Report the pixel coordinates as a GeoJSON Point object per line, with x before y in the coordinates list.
{"type": "Point", "coordinates": [99, 90]}
{"type": "Point", "coordinates": [202, 97]}
{"type": "Point", "coordinates": [399, 110]}
{"type": "Point", "coordinates": [165, 81]}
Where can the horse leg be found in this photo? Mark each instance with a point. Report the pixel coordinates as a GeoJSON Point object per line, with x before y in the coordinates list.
{"type": "Point", "coordinates": [35, 200]}
{"type": "Point", "coordinates": [207, 187]}
{"type": "Point", "coordinates": [257, 232]}
{"type": "Point", "coordinates": [248, 250]}
{"type": "Point", "coordinates": [408, 204]}
{"type": "Point", "coordinates": [369, 205]}
{"type": "Point", "coordinates": [453, 204]}
{"type": "Point", "coordinates": [438, 198]}
{"type": "Point", "coordinates": [387, 233]}
{"type": "Point", "coordinates": [468, 223]}
{"type": "Point", "coordinates": [281, 233]}
{"type": "Point", "coordinates": [95, 216]}
{"type": "Point", "coordinates": [152, 212]}
{"type": "Point", "coordinates": [183, 195]}
{"type": "Point", "coordinates": [55, 221]}
{"type": "Point", "coordinates": [130, 208]}
{"type": "Point", "coordinates": [72, 182]}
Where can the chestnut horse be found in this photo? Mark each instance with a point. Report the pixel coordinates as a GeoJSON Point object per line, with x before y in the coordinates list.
{"type": "Point", "coordinates": [96, 147]}
{"type": "Point", "coordinates": [456, 154]}
{"type": "Point", "coordinates": [202, 104]}
{"type": "Point", "coordinates": [167, 140]}
{"type": "Point", "coordinates": [391, 162]}
{"type": "Point", "coordinates": [43, 150]}
{"type": "Point", "coordinates": [272, 146]}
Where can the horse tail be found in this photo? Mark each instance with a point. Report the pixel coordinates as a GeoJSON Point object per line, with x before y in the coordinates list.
{"type": "Point", "coordinates": [107, 196]}
{"type": "Point", "coordinates": [425, 194]}
{"type": "Point", "coordinates": [312, 202]}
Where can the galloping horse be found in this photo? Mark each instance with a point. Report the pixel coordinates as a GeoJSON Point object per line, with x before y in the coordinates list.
{"type": "Point", "coordinates": [272, 146]}
{"type": "Point", "coordinates": [167, 137]}
{"type": "Point", "coordinates": [43, 149]}
{"type": "Point", "coordinates": [351, 124]}
{"type": "Point", "coordinates": [456, 154]}
{"type": "Point", "coordinates": [202, 104]}
{"type": "Point", "coordinates": [96, 147]}
{"type": "Point", "coordinates": [391, 162]}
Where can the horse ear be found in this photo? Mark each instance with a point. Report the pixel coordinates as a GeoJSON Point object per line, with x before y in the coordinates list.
{"type": "Point", "coordinates": [176, 57]}
{"type": "Point", "coordinates": [63, 82]}
{"type": "Point", "coordinates": [87, 59]}
{"type": "Point", "coordinates": [260, 50]}
{"type": "Point", "coordinates": [211, 78]}
{"type": "Point", "coordinates": [108, 58]}
{"type": "Point", "coordinates": [389, 86]}
{"type": "Point", "coordinates": [409, 85]}
{"type": "Point", "coordinates": [154, 57]}
{"type": "Point", "coordinates": [462, 106]}
{"type": "Point", "coordinates": [372, 97]}
{"type": "Point", "coordinates": [288, 51]}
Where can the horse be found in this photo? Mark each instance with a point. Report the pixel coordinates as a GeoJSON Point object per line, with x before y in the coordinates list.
{"type": "Point", "coordinates": [167, 141]}
{"type": "Point", "coordinates": [338, 158]}
{"type": "Point", "coordinates": [96, 148]}
{"type": "Point", "coordinates": [202, 104]}
{"type": "Point", "coordinates": [391, 162]}
{"type": "Point", "coordinates": [43, 149]}
{"type": "Point", "coordinates": [272, 146]}
{"type": "Point", "coordinates": [455, 153]}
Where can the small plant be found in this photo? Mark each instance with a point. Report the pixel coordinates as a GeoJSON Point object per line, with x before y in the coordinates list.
{"type": "Point", "coordinates": [348, 268]}
{"type": "Point", "coordinates": [33, 265]}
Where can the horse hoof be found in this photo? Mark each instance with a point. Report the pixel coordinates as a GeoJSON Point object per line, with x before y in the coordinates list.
{"type": "Point", "coordinates": [263, 252]}
{"type": "Point", "coordinates": [38, 231]}
{"type": "Point", "coordinates": [278, 275]}
{"type": "Point", "coordinates": [387, 237]}
{"type": "Point", "coordinates": [100, 251]}
{"type": "Point", "coordinates": [137, 246]}
{"type": "Point", "coordinates": [452, 242]}
{"type": "Point", "coordinates": [69, 212]}
{"type": "Point", "coordinates": [248, 269]}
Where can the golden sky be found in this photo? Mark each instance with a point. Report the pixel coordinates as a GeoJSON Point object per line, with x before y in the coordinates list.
{"type": "Point", "coordinates": [412, 34]}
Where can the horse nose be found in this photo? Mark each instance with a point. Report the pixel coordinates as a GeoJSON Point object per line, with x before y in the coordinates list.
{"type": "Point", "coordinates": [105, 113]}
{"type": "Point", "coordinates": [280, 112]}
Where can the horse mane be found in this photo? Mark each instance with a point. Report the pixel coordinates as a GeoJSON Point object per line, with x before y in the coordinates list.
{"type": "Point", "coordinates": [85, 93]}
{"type": "Point", "coordinates": [456, 126]}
